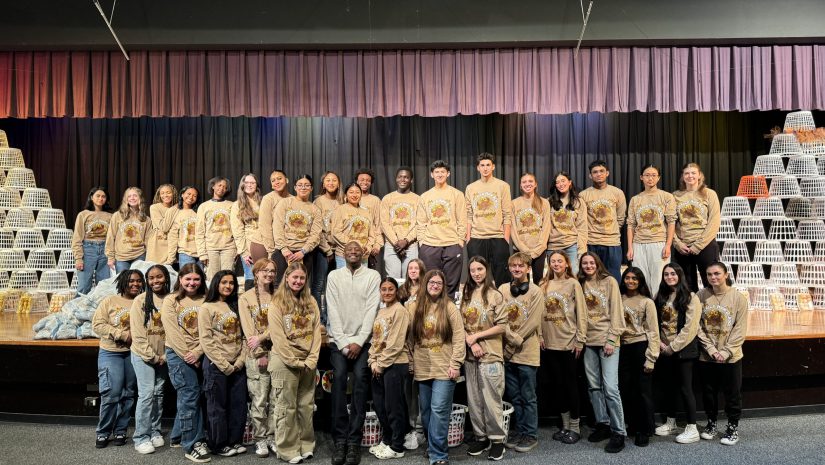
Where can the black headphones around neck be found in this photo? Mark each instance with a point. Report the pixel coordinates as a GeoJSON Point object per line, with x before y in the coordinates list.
{"type": "Point", "coordinates": [517, 289]}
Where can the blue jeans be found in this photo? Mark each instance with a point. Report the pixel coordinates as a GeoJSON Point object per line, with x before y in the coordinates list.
{"type": "Point", "coordinates": [117, 386]}
{"type": "Point", "coordinates": [520, 388]}
{"type": "Point", "coordinates": [95, 266]}
{"type": "Point", "coordinates": [435, 401]}
{"type": "Point", "coordinates": [572, 253]}
{"type": "Point", "coordinates": [184, 378]}
{"type": "Point", "coordinates": [603, 387]}
{"type": "Point", "coordinates": [184, 259]}
{"type": "Point", "coordinates": [247, 270]}
{"type": "Point", "coordinates": [121, 265]}
{"type": "Point", "coordinates": [149, 408]}
{"type": "Point", "coordinates": [611, 256]}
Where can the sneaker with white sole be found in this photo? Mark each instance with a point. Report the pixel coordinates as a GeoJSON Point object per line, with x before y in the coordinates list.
{"type": "Point", "coordinates": [239, 448]}
{"type": "Point", "coordinates": [731, 435]}
{"type": "Point", "coordinates": [227, 451]}
{"type": "Point", "coordinates": [202, 448]}
{"type": "Point", "coordinates": [296, 459]}
{"type": "Point", "coordinates": [261, 449]}
{"type": "Point", "coordinates": [376, 447]}
{"type": "Point", "coordinates": [307, 455]}
{"type": "Point", "coordinates": [496, 451]}
{"type": "Point", "coordinates": [667, 428]}
{"type": "Point", "coordinates": [709, 432]}
{"type": "Point", "coordinates": [158, 441]}
{"type": "Point", "coordinates": [197, 456]}
{"type": "Point", "coordinates": [145, 448]}
{"type": "Point", "coordinates": [411, 441]}
{"type": "Point", "coordinates": [271, 444]}
{"type": "Point", "coordinates": [689, 435]}
{"type": "Point", "coordinates": [386, 452]}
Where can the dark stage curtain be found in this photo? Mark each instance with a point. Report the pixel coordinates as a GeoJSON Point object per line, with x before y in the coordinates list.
{"type": "Point", "coordinates": [69, 156]}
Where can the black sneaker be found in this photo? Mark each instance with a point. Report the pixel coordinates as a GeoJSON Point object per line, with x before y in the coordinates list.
{"type": "Point", "coordinates": [339, 456]}
{"type": "Point", "coordinates": [512, 440]}
{"type": "Point", "coordinates": [101, 442]}
{"type": "Point", "coordinates": [227, 451]}
{"type": "Point", "coordinates": [353, 456]}
{"type": "Point", "coordinates": [526, 444]}
{"type": "Point", "coordinates": [642, 440]}
{"type": "Point", "coordinates": [571, 437]}
{"type": "Point", "coordinates": [731, 435]}
{"type": "Point", "coordinates": [477, 447]}
{"type": "Point", "coordinates": [710, 431]}
{"type": "Point", "coordinates": [616, 443]}
{"type": "Point", "coordinates": [496, 451]}
{"type": "Point", "coordinates": [600, 433]}
{"type": "Point", "coordinates": [558, 435]}
{"type": "Point", "coordinates": [197, 455]}
{"type": "Point", "coordinates": [119, 440]}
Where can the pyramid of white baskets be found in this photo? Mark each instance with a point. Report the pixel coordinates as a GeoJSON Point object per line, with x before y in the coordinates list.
{"type": "Point", "coordinates": [787, 227]}
{"type": "Point", "coordinates": [36, 260]}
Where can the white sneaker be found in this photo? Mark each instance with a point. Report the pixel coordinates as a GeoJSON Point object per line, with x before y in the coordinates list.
{"type": "Point", "coordinates": [158, 441]}
{"type": "Point", "coordinates": [419, 435]}
{"type": "Point", "coordinates": [261, 449]}
{"type": "Point", "coordinates": [307, 455]}
{"type": "Point", "coordinates": [377, 447]}
{"type": "Point", "coordinates": [145, 448]}
{"type": "Point", "coordinates": [689, 435]}
{"type": "Point", "coordinates": [296, 459]}
{"type": "Point", "coordinates": [668, 428]}
{"type": "Point", "coordinates": [411, 441]}
{"type": "Point", "coordinates": [271, 444]}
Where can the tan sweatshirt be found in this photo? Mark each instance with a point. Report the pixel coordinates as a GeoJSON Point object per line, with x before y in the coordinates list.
{"type": "Point", "coordinates": [521, 339]}
{"type": "Point", "coordinates": [606, 209]}
{"type": "Point", "coordinates": [397, 216]}
{"type": "Point", "coordinates": [605, 315]}
{"type": "Point", "coordinates": [296, 335]}
{"type": "Point", "coordinates": [126, 239]}
{"type": "Point", "coordinates": [353, 224]}
{"type": "Point", "coordinates": [432, 357]}
{"type": "Point", "coordinates": [530, 228]}
{"type": "Point", "coordinates": [479, 317]}
{"type": "Point", "coordinates": [213, 231]}
{"type": "Point", "coordinates": [698, 218]}
{"type": "Point", "coordinates": [441, 217]}
{"type": "Point", "coordinates": [297, 225]}
{"type": "Point", "coordinates": [157, 246]}
{"type": "Point", "coordinates": [641, 325]}
{"type": "Point", "coordinates": [148, 340]}
{"type": "Point", "coordinates": [255, 320]}
{"type": "Point", "coordinates": [327, 206]}
{"type": "Point", "coordinates": [180, 321]}
{"type": "Point", "coordinates": [489, 208]}
{"type": "Point", "coordinates": [264, 235]}
{"type": "Point", "coordinates": [243, 232]}
{"type": "Point", "coordinates": [111, 323]}
{"type": "Point", "coordinates": [389, 337]}
{"type": "Point", "coordinates": [89, 226]}
{"type": "Point", "coordinates": [724, 324]}
{"type": "Point", "coordinates": [568, 228]}
{"type": "Point", "coordinates": [373, 204]}
{"type": "Point", "coordinates": [220, 334]}
{"type": "Point", "coordinates": [564, 325]}
{"type": "Point", "coordinates": [649, 214]}
{"type": "Point", "coordinates": [182, 233]}
{"type": "Point", "coordinates": [669, 324]}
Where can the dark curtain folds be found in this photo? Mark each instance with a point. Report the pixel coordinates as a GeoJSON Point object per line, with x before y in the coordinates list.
{"type": "Point", "coordinates": [69, 156]}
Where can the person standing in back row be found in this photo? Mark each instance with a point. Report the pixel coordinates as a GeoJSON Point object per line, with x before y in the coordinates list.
{"type": "Point", "coordinates": [397, 218]}
{"type": "Point", "coordinates": [606, 209]}
{"type": "Point", "coordinates": [364, 178]}
{"type": "Point", "coordinates": [489, 213]}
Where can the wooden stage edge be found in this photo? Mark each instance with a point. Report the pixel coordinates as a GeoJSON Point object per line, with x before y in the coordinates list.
{"type": "Point", "coordinates": [15, 330]}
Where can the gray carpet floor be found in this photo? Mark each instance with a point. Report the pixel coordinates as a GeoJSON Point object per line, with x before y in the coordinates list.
{"type": "Point", "coordinates": [791, 440]}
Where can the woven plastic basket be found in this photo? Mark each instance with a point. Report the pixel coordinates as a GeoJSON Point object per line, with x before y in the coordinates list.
{"type": "Point", "coordinates": [764, 294]}
{"type": "Point", "coordinates": [750, 274]}
{"type": "Point", "coordinates": [41, 259]}
{"type": "Point", "coordinates": [819, 252]}
{"type": "Point", "coordinates": [768, 252]}
{"type": "Point", "coordinates": [736, 207]}
{"type": "Point", "coordinates": [2, 176]}
{"type": "Point", "coordinates": [820, 165]}
{"type": "Point", "coordinates": [799, 208]}
{"type": "Point", "coordinates": [59, 239]}
{"type": "Point", "coordinates": [784, 274]}
{"type": "Point", "coordinates": [785, 187]}
{"type": "Point", "coordinates": [793, 294]}
{"type": "Point", "coordinates": [59, 299]}
{"type": "Point", "coordinates": [9, 198]}
{"type": "Point", "coordinates": [785, 144]}
{"type": "Point", "coordinates": [66, 260]}
{"type": "Point", "coordinates": [53, 280]}
{"type": "Point", "coordinates": [20, 178]}
{"type": "Point", "coordinates": [18, 218]}
{"type": "Point", "coordinates": [811, 230]}
{"type": "Point", "coordinates": [751, 230]}
{"type": "Point", "coordinates": [769, 166]}
{"type": "Point", "coordinates": [28, 239]}
{"type": "Point", "coordinates": [9, 299]}
{"type": "Point", "coordinates": [6, 238]}
{"type": "Point", "coordinates": [815, 148]}
{"type": "Point", "coordinates": [782, 229]}
{"type": "Point", "coordinates": [4, 280]}
{"type": "Point", "coordinates": [802, 166]}
{"type": "Point", "coordinates": [455, 431]}
{"type": "Point", "coordinates": [735, 252]}
{"type": "Point", "coordinates": [752, 187]}
{"type": "Point", "coordinates": [12, 259]}
{"type": "Point", "coordinates": [33, 302]}
{"type": "Point", "coordinates": [813, 275]}
{"type": "Point", "coordinates": [726, 231]}
{"type": "Point", "coordinates": [797, 251]}
{"type": "Point", "coordinates": [50, 218]}
{"type": "Point", "coordinates": [818, 207]}
{"type": "Point", "coordinates": [11, 158]}
{"type": "Point", "coordinates": [797, 120]}
{"type": "Point", "coordinates": [812, 187]}
{"type": "Point", "coordinates": [35, 198]}
{"type": "Point", "coordinates": [819, 298]}
{"type": "Point", "coordinates": [23, 279]}
{"type": "Point", "coordinates": [769, 207]}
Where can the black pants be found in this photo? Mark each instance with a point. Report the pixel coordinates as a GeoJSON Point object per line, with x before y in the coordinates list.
{"type": "Point", "coordinates": [725, 377]}
{"type": "Point", "coordinates": [636, 388]}
{"type": "Point", "coordinates": [538, 268]}
{"type": "Point", "coordinates": [281, 264]}
{"type": "Point", "coordinates": [447, 259]}
{"type": "Point", "coordinates": [346, 427]}
{"type": "Point", "coordinates": [496, 251]}
{"type": "Point", "coordinates": [691, 263]}
{"type": "Point", "coordinates": [390, 404]}
{"type": "Point", "coordinates": [225, 406]}
{"type": "Point", "coordinates": [677, 376]}
{"type": "Point", "coordinates": [564, 379]}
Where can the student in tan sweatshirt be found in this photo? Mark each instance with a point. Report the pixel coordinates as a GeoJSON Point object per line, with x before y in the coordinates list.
{"type": "Point", "coordinates": [213, 233]}
{"type": "Point", "coordinates": [482, 310]}
{"type": "Point", "coordinates": [531, 224]}
{"type": "Point", "coordinates": [722, 332]}
{"type": "Point", "coordinates": [605, 326]}
{"type": "Point", "coordinates": [651, 219]}
{"type": "Point", "coordinates": [295, 328]}
{"type": "Point", "coordinates": [353, 222]}
{"type": "Point", "coordinates": [606, 209]}
{"type": "Point", "coordinates": [524, 306]}
{"type": "Point", "coordinates": [262, 243]}
{"type": "Point", "coordinates": [116, 376]}
{"type": "Point", "coordinates": [390, 365]}
{"type": "Point", "coordinates": [640, 349]}
{"type": "Point", "coordinates": [329, 198]}
{"type": "Point", "coordinates": [182, 220]}
{"type": "Point", "coordinates": [679, 312]}
{"type": "Point", "coordinates": [126, 238]}
{"type": "Point", "coordinates": [149, 361]}
{"type": "Point", "coordinates": [489, 216]}
{"type": "Point", "coordinates": [184, 354]}
{"type": "Point", "coordinates": [297, 226]}
{"type": "Point", "coordinates": [408, 291]}
{"type": "Point", "coordinates": [253, 306]}
{"type": "Point", "coordinates": [563, 335]}
{"type": "Point", "coordinates": [568, 220]}
{"type": "Point", "coordinates": [224, 377]}
{"type": "Point", "coordinates": [397, 218]}
{"type": "Point", "coordinates": [243, 217]}
{"type": "Point", "coordinates": [89, 240]}
{"type": "Point", "coordinates": [697, 208]}
{"type": "Point", "coordinates": [437, 342]}
{"type": "Point", "coordinates": [407, 294]}
{"type": "Point", "coordinates": [365, 178]}
{"type": "Point", "coordinates": [157, 245]}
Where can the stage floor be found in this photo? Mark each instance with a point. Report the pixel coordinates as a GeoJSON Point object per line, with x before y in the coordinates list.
{"type": "Point", "coordinates": [16, 330]}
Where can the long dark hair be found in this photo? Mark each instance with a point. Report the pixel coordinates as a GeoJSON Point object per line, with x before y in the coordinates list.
{"type": "Point", "coordinates": [197, 202]}
{"type": "Point", "coordinates": [123, 280]}
{"type": "Point", "coordinates": [443, 328]}
{"type": "Point", "coordinates": [681, 300]}
{"type": "Point", "coordinates": [149, 306]}
{"type": "Point", "coordinates": [572, 194]}
{"type": "Point", "coordinates": [214, 295]}
{"type": "Point", "coordinates": [189, 268]}
{"type": "Point", "coordinates": [470, 286]}
{"type": "Point", "coordinates": [601, 271]}
{"type": "Point", "coordinates": [90, 206]}
{"type": "Point", "coordinates": [643, 288]}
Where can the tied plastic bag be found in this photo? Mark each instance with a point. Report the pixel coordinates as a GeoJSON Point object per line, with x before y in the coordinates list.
{"type": "Point", "coordinates": [85, 331]}
{"type": "Point", "coordinates": [47, 323]}
{"type": "Point", "coordinates": [65, 331]}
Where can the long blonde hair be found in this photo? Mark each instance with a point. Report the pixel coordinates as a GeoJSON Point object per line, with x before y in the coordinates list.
{"type": "Point", "coordinates": [285, 299]}
{"type": "Point", "coordinates": [442, 322]}
{"type": "Point", "coordinates": [125, 211]}
{"type": "Point", "coordinates": [536, 201]}
{"type": "Point", "coordinates": [246, 211]}
{"type": "Point", "coordinates": [701, 189]}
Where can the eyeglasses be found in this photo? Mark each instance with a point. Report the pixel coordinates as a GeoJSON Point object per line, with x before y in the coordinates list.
{"type": "Point", "coordinates": [435, 283]}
